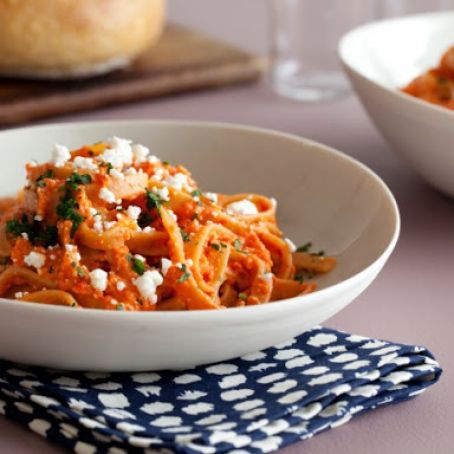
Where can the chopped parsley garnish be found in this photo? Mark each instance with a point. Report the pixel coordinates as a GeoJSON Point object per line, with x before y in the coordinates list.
{"type": "Point", "coordinates": [196, 193]}
{"type": "Point", "coordinates": [237, 246]}
{"type": "Point", "coordinates": [37, 233]}
{"type": "Point", "coordinates": [184, 235]}
{"type": "Point", "coordinates": [242, 296]}
{"type": "Point", "coordinates": [137, 265]}
{"type": "Point", "coordinates": [307, 247]}
{"type": "Point", "coordinates": [166, 163]}
{"type": "Point", "coordinates": [40, 180]}
{"type": "Point", "coordinates": [80, 271]}
{"type": "Point", "coordinates": [73, 304]}
{"type": "Point", "coordinates": [215, 246]}
{"type": "Point", "coordinates": [119, 307]}
{"type": "Point", "coordinates": [223, 244]}
{"type": "Point", "coordinates": [76, 179]}
{"type": "Point", "coordinates": [299, 278]}
{"type": "Point", "coordinates": [153, 200]}
{"type": "Point", "coordinates": [304, 248]}
{"type": "Point", "coordinates": [185, 276]}
{"type": "Point", "coordinates": [67, 209]}
{"type": "Point", "coordinates": [68, 206]}
{"type": "Point", "coordinates": [107, 165]}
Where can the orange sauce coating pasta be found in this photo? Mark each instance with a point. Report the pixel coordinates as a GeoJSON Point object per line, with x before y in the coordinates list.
{"type": "Point", "coordinates": [109, 226]}
{"type": "Point", "coordinates": [436, 85]}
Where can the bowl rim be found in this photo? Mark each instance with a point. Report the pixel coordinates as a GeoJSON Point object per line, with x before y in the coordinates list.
{"type": "Point", "coordinates": [206, 314]}
{"type": "Point", "coordinates": [343, 53]}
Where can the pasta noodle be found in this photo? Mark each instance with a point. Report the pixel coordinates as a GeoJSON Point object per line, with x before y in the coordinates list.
{"type": "Point", "coordinates": [110, 226]}
{"type": "Point", "coordinates": [436, 85]}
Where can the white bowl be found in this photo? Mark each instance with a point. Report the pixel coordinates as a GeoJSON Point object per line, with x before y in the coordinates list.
{"type": "Point", "coordinates": [382, 57]}
{"type": "Point", "coordinates": [323, 196]}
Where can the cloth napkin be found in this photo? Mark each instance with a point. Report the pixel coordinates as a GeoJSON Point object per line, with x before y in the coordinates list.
{"type": "Point", "coordinates": [254, 404]}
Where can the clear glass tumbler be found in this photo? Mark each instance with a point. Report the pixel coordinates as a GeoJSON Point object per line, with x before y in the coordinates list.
{"type": "Point", "coordinates": [304, 38]}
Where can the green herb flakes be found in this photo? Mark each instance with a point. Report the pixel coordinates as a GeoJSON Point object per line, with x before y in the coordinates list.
{"type": "Point", "coordinates": [153, 200]}
{"type": "Point", "coordinates": [68, 206]}
{"type": "Point", "coordinates": [304, 248]}
{"type": "Point", "coordinates": [185, 276]}
{"type": "Point", "coordinates": [40, 180]}
{"type": "Point", "coordinates": [184, 235]}
{"type": "Point", "coordinates": [38, 234]}
{"type": "Point", "coordinates": [137, 265]}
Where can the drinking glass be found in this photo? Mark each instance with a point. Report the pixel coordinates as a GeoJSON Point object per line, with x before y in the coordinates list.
{"type": "Point", "coordinates": [304, 37]}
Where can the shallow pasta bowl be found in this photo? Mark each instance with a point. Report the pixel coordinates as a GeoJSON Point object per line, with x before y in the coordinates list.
{"type": "Point", "coordinates": [323, 196]}
{"type": "Point", "coordinates": [382, 57]}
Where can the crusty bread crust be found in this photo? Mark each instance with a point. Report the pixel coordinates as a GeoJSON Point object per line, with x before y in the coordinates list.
{"type": "Point", "coordinates": [70, 37]}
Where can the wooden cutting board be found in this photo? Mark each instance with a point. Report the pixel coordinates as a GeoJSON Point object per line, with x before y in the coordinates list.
{"type": "Point", "coordinates": [183, 60]}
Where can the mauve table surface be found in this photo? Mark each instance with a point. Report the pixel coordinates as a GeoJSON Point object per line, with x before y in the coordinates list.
{"type": "Point", "coordinates": [412, 299]}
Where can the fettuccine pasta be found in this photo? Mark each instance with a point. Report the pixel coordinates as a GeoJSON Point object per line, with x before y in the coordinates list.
{"type": "Point", "coordinates": [110, 226]}
{"type": "Point", "coordinates": [436, 85]}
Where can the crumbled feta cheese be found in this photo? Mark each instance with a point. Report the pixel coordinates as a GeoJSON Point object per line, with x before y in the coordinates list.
{"type": "Point", "coordinates": [84, 163]}
{"type": "Point", "coordinates": [267, 276]}
{"type": "Point", "coordinates": [242, 207]}
{"type": "Point", "coordinates": [119, 154]}
{"type": "Point", "coordinates": [273, 202]}
{"type": "Point", "coordinates": [114, 173]}
{"type": "Point", "coordinates": [53, 256]}
{"type": "Point", "coordinates": [38, 218]}
{"type": "Point", "coordinates": [35, 259]}
{"type": "Point", "coordinates": [133, 212]}
{"type": "Point", "coordinates": [211, 196]}
{"type": "Point", "coordinates": [20, 294]}
{"type": "Point", "coordinates": [140, 153]}
{"type": "Point", "coordinates": [179, 181]}
{"type": "Point", "coordinates": [107, 195]}
{"type": "Point", "coordinates": [32, 163]}
{"type": "Point", "coordinates": [189, 263]}
{"type": "Point", "coordinates": [130, 171]}
{"type": "Point", "coordinates": [93, 211]}
{"type": "Point", "coordinates": [148, 283]}
{"type": "Point", "coordinates": [173, 215]}
{"type": "Point", "coordinates": [98, 279]}
{"type": "Point", "coordinates": [73, 251]}
{"type": "Point", "coordinates": [153, 159]}
{"type": "Point", "coordinates": [165, 265]}
{"type": "Point", "coordinates": [109, 224]}
{"type": "Point", "coordinates": [97, 224]}
{"type": "Point", "coordinates": [121, 286]}
{"type": "Point", "coordinates": [148, 229]}
{"type": "Point", "coordinates": [163, 193]}
{"type": "Point", "coordinates": [291, 245]}
{"type": "Point", "coordinates": [24, 235]}
{"type": "Point", "coordinates": [158, 174]}
{"type": "Point", "coordinates": [60, 155]}
{"type": "Point", "coordinates": [139, 257]}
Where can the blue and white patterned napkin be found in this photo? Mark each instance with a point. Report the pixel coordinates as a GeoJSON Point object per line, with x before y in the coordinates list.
{"type": "Point", "coordinates": [254, 404]}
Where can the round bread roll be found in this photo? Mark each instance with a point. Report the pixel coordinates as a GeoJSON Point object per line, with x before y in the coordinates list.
{"type": "Point", "coordinates": [75, 38]}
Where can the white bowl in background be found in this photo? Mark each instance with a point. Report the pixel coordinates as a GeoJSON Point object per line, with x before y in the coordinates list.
{"type": "Point", "coordinates": [322, 194]}
{"type": "Point", "coordinates": [382, 57]}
